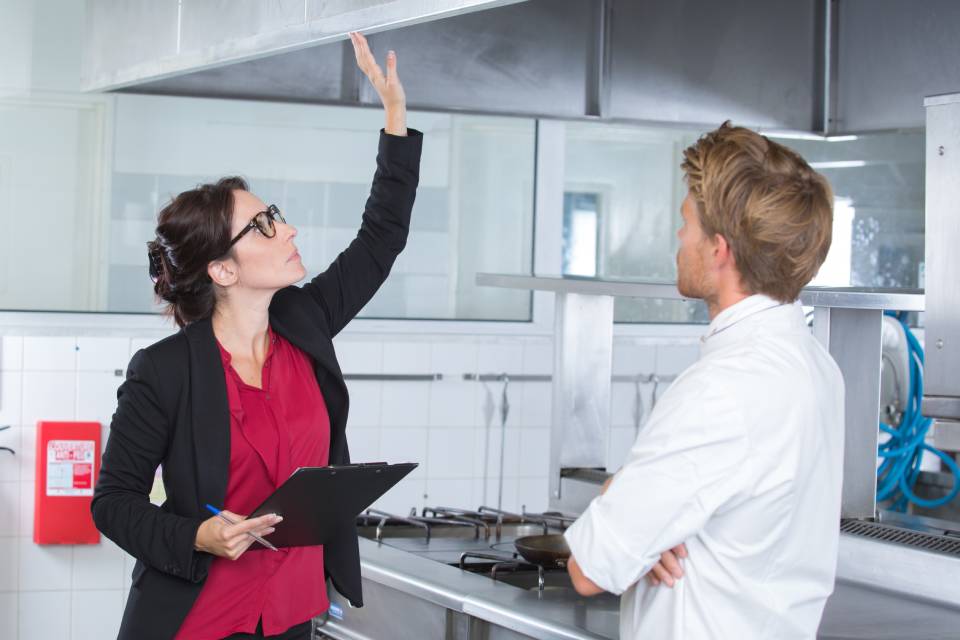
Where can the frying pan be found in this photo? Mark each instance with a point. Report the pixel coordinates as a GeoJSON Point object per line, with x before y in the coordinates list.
{"type": "Point", "coordinates": [546, 550]}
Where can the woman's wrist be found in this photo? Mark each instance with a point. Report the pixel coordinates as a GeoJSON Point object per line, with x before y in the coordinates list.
{"type": "Point", "coordinates": [396, 121]}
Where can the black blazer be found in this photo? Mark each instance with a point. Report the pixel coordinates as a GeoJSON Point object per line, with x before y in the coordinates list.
{"type": "Point", "coordinates": [172, 410]}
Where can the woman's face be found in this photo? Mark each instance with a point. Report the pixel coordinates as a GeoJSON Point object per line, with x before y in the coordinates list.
{"type": "Point", "coordinates": [262, 262]}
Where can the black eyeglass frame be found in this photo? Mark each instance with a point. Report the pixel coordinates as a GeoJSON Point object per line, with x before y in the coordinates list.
{"type": "Point", "coordinates": [256, 222]}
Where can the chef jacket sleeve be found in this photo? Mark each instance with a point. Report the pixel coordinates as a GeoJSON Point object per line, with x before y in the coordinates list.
{"type": "Point", "coordinates": [688, 462]}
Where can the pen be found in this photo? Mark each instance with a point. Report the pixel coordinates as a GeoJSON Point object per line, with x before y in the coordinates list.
{"type": "Point", "coordinates": [220, 515]}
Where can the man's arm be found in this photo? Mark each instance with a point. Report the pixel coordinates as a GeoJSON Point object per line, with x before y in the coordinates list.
{"type": "Point", "coordinates": [584, 585]}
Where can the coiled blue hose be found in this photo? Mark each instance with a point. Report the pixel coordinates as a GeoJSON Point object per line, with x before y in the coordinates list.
{"type": "Point", "coordinates": [903, 452]}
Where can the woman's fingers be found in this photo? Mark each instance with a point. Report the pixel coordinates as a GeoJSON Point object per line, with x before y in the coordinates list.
{"type": "Point", "coordinates": [391, 67]}
{"type": "Point", "coordinates": [365, 60]}
{"type": "Point", "coordinates": [663, 575]}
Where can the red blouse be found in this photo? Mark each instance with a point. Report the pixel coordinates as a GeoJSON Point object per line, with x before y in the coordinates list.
{"type": "Point", "coordinates": [273, 431]}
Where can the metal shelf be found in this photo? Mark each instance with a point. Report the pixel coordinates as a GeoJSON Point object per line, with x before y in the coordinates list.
{"type": "Point", "coordinates": [837, 297]}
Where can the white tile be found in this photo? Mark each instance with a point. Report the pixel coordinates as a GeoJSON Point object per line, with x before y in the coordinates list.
{"type": "Point", "coordinates": [536, 405]}
{"type": "Point", "coordinates": [364, 444]}
{"type": "Point", "coordinates": [618, 446]}
{"type": "Point", "coordinates": [9, 506]}
{"type": "Point", "coordinates": [9, 567]}
{"type": "Point", "coordinates": [98, 566]}
{"type": "Point", "coordinates": [11, 353]}
{"type": "Point", "coordinates": [44, 615]}
{"type": "Point", "coordinates": [452, 453]}
{"type": "Point", "coordinates": [533, 494]}
{"type": "Point", "coordinates": [632, 359]}
{"type": "Point", "coordinates": [454, 404]}
{"type": "Point", "coordinates": [511, 451]}
{"type": "Point", "coordinates": [406, 357]}
{"type": "Point", "coordinates": [453, 359]}
{"type": "Point", "coordinates": [49, 395]}
{"type": "Point", "coordinates": [365, 400]}
{"type": "Point", "coordinates": [451, 492]}
{"type": "Point", "coordinates": [406, 494]}
{"type": "Point", "coordinates": [538, 358]}
{"type": "Point", "coordinates": [44, 567]}
{"type": "Point", "coordinates": [673, 359]}
{"type": "Point", "coordinates": [27, 453]}
{"type": "Point", "coordinates": [26, 509]}
{"type": "Point", "coordinates": [10, 464]}
{"type": "Point", "coordinates": [11, 390]}
{"type": "Point", "coordinates": [359, 357]}
{"type": "Point", "coordinates": [405, 404]}
{"type": "Point", "coordinates": [9, 603]}
{"type": "Point", "coordinates": [405, 445]}
{"type": "Point", "coordinates": [500, 358]}
{"type": "Point", "coordinates": [623, 404]}
{"type": "Point", "coordinates": [96, 614]}
{"type": "Point", "coordinates": [49, 353]}
{"type": "Point", "coordinates": [509, 501]}
{"type": "Point", "coordinates": [102, 354]}
{"type": "Point", "coordinates": [97, 395]}
{"type": "Point", "coordinates": [534, 452]}
{"type": "Point", "coordinates": [140, 343]}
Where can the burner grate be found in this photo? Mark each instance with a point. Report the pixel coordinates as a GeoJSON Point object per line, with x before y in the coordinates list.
{"type": "Point", "coordinates": [938, 543]}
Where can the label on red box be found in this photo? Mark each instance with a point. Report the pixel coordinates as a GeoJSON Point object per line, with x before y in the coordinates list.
{"type": "Point", "coordinates": [70, 467]}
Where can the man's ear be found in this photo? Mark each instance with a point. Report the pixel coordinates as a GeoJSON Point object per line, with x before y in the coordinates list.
{"type": "Point", "coordinates": [222, 272]}
{"type": "Point", "coordinates": [722, 251]}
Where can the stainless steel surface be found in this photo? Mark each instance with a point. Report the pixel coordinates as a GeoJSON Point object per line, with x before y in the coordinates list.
{"type": "Point", "coordinates": [947, 542]}
{"type": "Point", "coordinates": [946, 435]}
{"type": "Point", "coordinates": [845, 297]}
{"type": "Point", "coordinates": [893, 53]}
{"type": "Point", "coordinates": [583, 362]}
{"type": "Point", "coordinates": [825, 65]}
{"type": "Point", "coordinates": [853, 337]}
{"type": "Point", "coordinates": [395, 377]}
{"type": "Point", "coordinates": [942, 270]}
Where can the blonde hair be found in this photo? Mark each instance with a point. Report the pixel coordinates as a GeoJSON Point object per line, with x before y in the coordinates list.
{"type": "Point", "coordinates": [774, 211]}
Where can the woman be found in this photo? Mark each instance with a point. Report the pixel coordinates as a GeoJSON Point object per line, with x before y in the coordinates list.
{"type": "Point", "coordinates": [247, 391]}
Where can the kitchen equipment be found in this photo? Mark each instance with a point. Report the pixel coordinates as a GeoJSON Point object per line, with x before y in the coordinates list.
{"type": "Point", "coordinates": [549, 550]}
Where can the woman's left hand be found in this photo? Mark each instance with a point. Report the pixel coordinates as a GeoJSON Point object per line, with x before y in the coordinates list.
{"type": "Point", "coordinates": [387, 85]}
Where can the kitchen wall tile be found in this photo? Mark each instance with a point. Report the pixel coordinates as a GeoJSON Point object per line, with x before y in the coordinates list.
{"type": "Point", "coordinates": [137, 343]}
{"type": "Point", "coordinates": [27, 453]}
{"type": "Point", "coordinates": [500, 358]}
{"type": "Point", "coordinates": [9, 603]}
{"type": "Point", "coordinates": [623, 404]}
{"type": "Point", "coordinates": [406, 494]}
{"type": "Point", "coordinates": [674, 358]}
{"type": "Point", "coordinates": [405, 404]}
{"type": "Point", "coordinates": [98, 566]}
{"type": "Point", "coordinates": [11, 397]}
{"type": "Point", "coordinates": [453, 359]}
{"type": "Point", "coordinates": [454, 404]}
{"type": "Point", "coordinates": [365, 402]}
{"type": "Point", "coordinates": [357, 356]}
{"type": "Point", "coordinates": [538, 358]}
{"type": "Point", "coordinates": [509, 500]}
{"type": "Point", "coordinates": [10, 464]}
{"type": "Point", "coordinates": [364, 444]}
{"type": "Point", "coordinates": [44, 615]}
{"type": "Point", "coordinates": [534, 452]}
{"type": "Point", "coordinates": [102, 354]}
{"type": "Point", "coordinates": [406, 445]}
{"type": "Point", "coordinates": [631, 359]}
{"type": "Point", "coordinates": [451, 453]}
{"type": "Point", "coordinates": [49, 353]}
{"type": "Point", "coordinates": [9, 508]}
{"type": "Point", "coordinates": [96, 614]}
{"type": "Point", "coordinates": [406, 357]}
{"type": "Point", "coordinates": [11, 353]}
{"type": "Point", "coordinates": [536, 405]}
{"type": "Point", "coordinates": [9, 565]}
{"type": "Point", "coordinates": [44, 567]}
{"type": "Point", "coordinates": [511, 452]}
{"type": "Point", "coordinates": [621, 440]}
{"type": "Point", "coordinates": [455, 493]}
{"type": "Point", "coordinates": [26, 509]}
{"type": "Point", "coordinates": [533, 494]}
{"type": "Point", "coordinates": [97, 395]}
{"type": "Point", "coordinates": [49, 395]}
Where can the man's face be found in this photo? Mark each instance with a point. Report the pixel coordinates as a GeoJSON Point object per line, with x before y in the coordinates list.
{"type": "Point", "coordinates": [693, 256]}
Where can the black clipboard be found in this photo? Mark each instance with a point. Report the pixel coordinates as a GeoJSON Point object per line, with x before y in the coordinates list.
{"type": "Point", "coordinates": [316, 502]}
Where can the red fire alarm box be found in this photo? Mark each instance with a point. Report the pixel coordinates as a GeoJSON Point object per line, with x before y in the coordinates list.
{"type": "Point", "coordinates": [68, 464]}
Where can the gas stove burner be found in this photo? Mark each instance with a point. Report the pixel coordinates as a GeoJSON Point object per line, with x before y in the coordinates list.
{"type": "Point", "coordinates": [501, 565]}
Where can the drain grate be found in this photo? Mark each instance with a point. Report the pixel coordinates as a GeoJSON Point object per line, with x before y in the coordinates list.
{"type": "Point", "coordinates": [937, 543]}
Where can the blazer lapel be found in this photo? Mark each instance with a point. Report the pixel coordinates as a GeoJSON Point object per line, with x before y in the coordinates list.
{"type": "Point", "coordinates": [210, 415]}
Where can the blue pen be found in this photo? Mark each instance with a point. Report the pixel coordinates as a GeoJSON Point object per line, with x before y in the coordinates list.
{"type": "Point", "coordinates": [212, 509]}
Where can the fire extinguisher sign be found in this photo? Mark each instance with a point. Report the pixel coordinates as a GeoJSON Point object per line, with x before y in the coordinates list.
{"type": "Point", "coordinates": [70, 467]}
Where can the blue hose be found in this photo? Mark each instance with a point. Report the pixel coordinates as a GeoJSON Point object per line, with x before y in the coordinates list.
{"type": "Point", "coordinates": [903, 452]}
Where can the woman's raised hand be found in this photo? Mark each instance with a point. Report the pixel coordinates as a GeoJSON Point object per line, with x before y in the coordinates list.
{"type": "Point", "coordinates": [231, 540]}
{"type": "Point", "coordinates": [387, 85]}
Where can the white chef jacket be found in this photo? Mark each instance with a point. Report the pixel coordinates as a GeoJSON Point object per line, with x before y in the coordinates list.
{"type": "Point", "coordinates": [741, 460]}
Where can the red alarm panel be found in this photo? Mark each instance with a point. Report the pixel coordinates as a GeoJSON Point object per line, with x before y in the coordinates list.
{"type": "Point", "coordinates": [68, 464]}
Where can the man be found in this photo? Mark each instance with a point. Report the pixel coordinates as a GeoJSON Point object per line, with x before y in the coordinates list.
{"type": "Point", "coordinates": [739, 468]}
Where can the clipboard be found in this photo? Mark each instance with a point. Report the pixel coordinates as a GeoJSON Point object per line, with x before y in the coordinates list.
{"type": "Point", "coordinates": [316, 502]}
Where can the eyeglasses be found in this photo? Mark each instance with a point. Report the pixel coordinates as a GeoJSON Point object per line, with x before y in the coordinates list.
{"type": "Point", "coordinates": [262, 222]}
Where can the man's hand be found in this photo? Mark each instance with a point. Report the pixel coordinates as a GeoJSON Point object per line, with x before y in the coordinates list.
{"type": "Point", "coordinates": [669, 569]}
{"type": "Point", "coordinates": [231, 540]}
{"type": "Point", "coordinates": [388, 86]}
